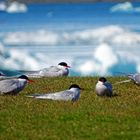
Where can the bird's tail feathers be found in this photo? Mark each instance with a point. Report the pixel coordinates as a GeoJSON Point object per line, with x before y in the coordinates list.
{"type": "Point", "coordinates": [40, 96]}
{"type": "Point", "coordinates": [33, 95]}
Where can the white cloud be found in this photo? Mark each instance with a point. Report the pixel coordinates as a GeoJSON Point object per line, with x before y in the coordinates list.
{"type": "Point", "coordinates": [105, 56]}
{"type": "Point", "coordinates": [109, 34]}
{"type": "Point", "coordinates": [2, 6]}
{"type": "Point", "coordinates": [18, 60]}
{"type": "Point", "coordinates": [125, 7]}
{"type": "Point", "coordinates": [23, 60]}
{"type": "Point", "coordinates": [30, 38]}
{"type": "Point", "coordinates": [13, 7]}
{"type": "Point", "coordinates": [109, 46]}
{"type": "Point", "coordinates": [87, 67]}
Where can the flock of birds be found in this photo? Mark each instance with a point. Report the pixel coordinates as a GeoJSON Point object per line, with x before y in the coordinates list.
{"type": "Point", "coordinates": [13, 85]}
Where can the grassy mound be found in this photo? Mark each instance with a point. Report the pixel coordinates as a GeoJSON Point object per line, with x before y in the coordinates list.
{"type": "Point", "coordinates": [91, 117]}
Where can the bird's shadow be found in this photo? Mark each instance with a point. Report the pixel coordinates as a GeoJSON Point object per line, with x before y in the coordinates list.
{"type": "Point", "coordinates": [115, 95]}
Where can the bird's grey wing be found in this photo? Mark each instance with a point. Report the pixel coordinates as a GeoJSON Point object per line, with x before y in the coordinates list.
{"type": "Point", "coordinates": [108, 85]}
{"type": "Point", "coordinates": [51, 69]}
{"type": "Point", "coordinates": [7, 86]}
{"type": "Point", "coordinates": [44, 96]}
{"type": "Point", "coordinates": [65, 95]}
{"type": "Point", "coordinates": [108, 91]}
{"type": "Point", "coordinates": [62, 95]}
{"type": "Point", "coordinates": [34, 95]}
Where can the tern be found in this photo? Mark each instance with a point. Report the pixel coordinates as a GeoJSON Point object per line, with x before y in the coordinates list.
{"type": "Point", "coordinates": [14, 85]}
{"type": "Point", "coordinates": [54, 71]}
{"type": "Point", "coordinates": [135, 77]}
{"type": "Point", "coordinates": [72, 94]}
{"type": "Point", "coordinates": [103, 87]}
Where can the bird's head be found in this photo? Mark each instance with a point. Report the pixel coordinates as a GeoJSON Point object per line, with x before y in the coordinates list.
{"type": "Point", "coordinates": [102, 79]}
{"type": "Point", "coordinates": [63, 65]}
{"type": "Point", "coordinates": [75, 86]}
{"type": "Point", "coordinates": [25, 78]}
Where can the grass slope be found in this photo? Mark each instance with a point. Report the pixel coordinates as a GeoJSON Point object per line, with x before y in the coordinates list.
{"type": "Point", "coordinates": [91, 117]}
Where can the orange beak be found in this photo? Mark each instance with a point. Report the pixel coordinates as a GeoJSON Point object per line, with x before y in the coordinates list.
{"type": "Point", "coordinates": [82, 89]}
{"type": "Point", "coordinates": [30, 81]}
{"type": "Point", "coordinates": [67, 66]}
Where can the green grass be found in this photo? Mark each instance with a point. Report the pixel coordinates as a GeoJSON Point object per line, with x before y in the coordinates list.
{"type": "Point", "coordinates": [91, 117]}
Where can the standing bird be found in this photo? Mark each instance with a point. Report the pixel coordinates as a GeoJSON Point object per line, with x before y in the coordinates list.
{"type": "Point", "coordinates": [13, 86]}
{"type": "Point", "coordinates": [54, 71]}
{"type": "Point", "coordinates": [103, 87]}
{"type": "Point", "coordinates": [72, 94]}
